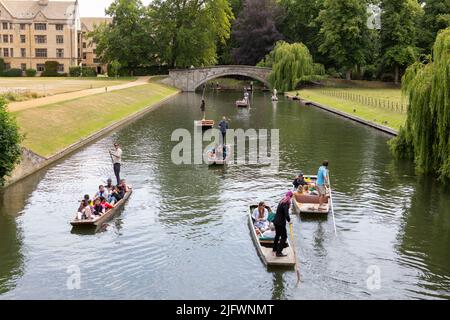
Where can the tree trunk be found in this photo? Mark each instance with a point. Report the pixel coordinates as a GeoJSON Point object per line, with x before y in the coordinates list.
{"type": "Point", "coordinates": [349, 74]}
{"type": "Point", "coordinates": [397, 75]}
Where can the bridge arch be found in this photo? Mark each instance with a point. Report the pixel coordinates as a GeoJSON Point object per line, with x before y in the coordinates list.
{"type": "Point", "coordinates": [190, 79]}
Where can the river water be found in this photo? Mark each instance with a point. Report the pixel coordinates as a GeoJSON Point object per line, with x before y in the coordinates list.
{"type": "Point", "coordinates": [184, 235]}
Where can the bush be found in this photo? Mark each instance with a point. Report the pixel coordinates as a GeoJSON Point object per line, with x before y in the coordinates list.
{"type": "Point", "coordinates": [51, 69]}
{"type": "Point", "coordinates": [387, 77]}
{"type": "Point", "coordinates": [370, 73]}
{"type": "Point", "coordinates": [30, 72]}
{"type": "Point", "coordinates": [12, 73]}
{"type": "Point", "coordinates": [11, 138]}
{"type": "Point", "coordinates": [87, 72]}
{"type": "Point", "coordinates": [2, 66]}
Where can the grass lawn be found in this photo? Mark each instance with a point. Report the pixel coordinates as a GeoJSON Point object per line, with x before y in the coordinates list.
{"type": "Point", "coordinates": [380, 115]}
{"type": "Point", "coordinates": [43, 86]}
{"type": "Point", "coordinates": [51, 128]}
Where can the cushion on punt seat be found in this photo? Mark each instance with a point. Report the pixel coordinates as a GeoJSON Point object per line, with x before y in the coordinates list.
{"type": "Point", "coordinates": [307, 199]}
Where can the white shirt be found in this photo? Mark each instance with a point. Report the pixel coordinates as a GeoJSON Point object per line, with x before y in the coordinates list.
{"type": "Point", "coordinates": [269, 234]}
{"type": "Point", "coordinates": [117, 156]}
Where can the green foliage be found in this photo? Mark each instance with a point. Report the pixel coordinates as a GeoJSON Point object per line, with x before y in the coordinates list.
{"type": "Point", "coordinates": [300, 23]}
{"type": "Point", "coordinates": [291, 64]}
{"type": "Point", "coordinates": [51, 69]}
{"type": "Point", "coordinates": [399, 33]}
{"type": "Point", "coordinates": [126, 39]}
{"type": "Point", "coordinates": [426, 135]}
{"type": "Point", "coordinates": [10, 139]}
{"type": "Point", "coordinates": [188, 32]}
{"type": "Point", "coordinates": [436, 17]}
{"type": "Point", "coordinates": [2, 65]}
{"type": "Point", "coordinates": [344, 33]}
{"type": "Point", "coordinates": [30, 72]}
{"type": "Point", "coordinates": [82, 71]}
{"type": "Point", "coordinates": [114, 68]}
{"type": "Point", "coordinates": [12, 73]}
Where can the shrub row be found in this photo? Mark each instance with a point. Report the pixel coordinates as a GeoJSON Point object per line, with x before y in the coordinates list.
{"type": "Point", "coordinates": [82, 71]}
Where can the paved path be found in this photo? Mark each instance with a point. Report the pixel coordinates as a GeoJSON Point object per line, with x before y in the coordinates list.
{"type": "Point", "coordinates": [23, 105]}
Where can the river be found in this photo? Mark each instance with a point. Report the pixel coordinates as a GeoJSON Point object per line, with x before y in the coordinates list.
{"type": "Point", "coordinates": [184, 235]}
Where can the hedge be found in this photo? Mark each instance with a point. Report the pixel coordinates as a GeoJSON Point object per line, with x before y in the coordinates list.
{"type": "Point", "coordinates": [51, 69]}
{"type": "Point", "coordinates": [87, 71]}
{"type": "Point", "coordinates": [12, 73]}
{"type": "Point", "coordinates": [30, 72]}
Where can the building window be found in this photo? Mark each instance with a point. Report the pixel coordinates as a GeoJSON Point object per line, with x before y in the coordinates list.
{"type": "Point", "coordinates": [5, 38]}
{"type": "Point", "coordinates": [22, 26]}
{"type": "Point", "coordinates": [23, 38]}
{"type": "Point", "coordinates": [84, 45]}
{"type": "Point", "coordinates": [23, 52]}
{"type": "Point", "coordinates": [60, 53]}
{"type": "Point", "coordinates": [40, 39]}
{"type": "Point", "coordinates": [59, 27]}
{"type": "Point", "coordinates": [84, 56]}
{"type": "Point", "coordinates": [11, 38]}
{"type": "Point", "coordinates": [11, 52]}
{"type": "Point", "coordinates": [59, 39]}
{"type": "Point", "coordinates": [97, 60]}
{"type": "Point", "coordinates": [60, 68]}
{"type": "Point", "coordinates": [41, 53]}
{"type": "Point", "coordinates": [40, 26]}
{"type": "Point", "coordinates": [40, 67]}
{"type": "Point", "coordinates": [6, 52]}
{"type": "Point", "coordinates": [5, 25]}
{"type": "Point", "coordinates": [23, 66]}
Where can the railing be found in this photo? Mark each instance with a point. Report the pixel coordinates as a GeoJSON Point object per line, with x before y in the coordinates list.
{"type": "Point", "coordinates": [400, 107]}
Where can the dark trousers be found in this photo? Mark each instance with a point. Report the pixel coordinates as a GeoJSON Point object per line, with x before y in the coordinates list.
{"type": "Point", "coordinates": [117, 171]}
{"type": "Point", "coordinates": [224, 136]}
{"type": "Point", "coordinates": [280, 239]}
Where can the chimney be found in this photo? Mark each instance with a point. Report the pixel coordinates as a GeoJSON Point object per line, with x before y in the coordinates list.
{"type": "Point", "coordinates": [43, 2]}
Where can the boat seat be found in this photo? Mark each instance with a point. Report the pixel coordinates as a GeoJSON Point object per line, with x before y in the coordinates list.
{"type": "Point", "coordinates": [307, 199]}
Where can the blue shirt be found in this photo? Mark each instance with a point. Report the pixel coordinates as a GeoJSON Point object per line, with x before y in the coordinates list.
{"type": "Point", "coordinates": [321, 175]}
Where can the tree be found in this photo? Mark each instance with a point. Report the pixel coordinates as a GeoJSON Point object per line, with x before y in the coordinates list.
{"type": "Point", "coordinates": [291, 64]}
{"type": "Point", "coordinates": [399, 33]}
{"type": "Point", "coordinates": [300, 22]}
{"type": "Point", "coordinates": [125, 39]}
{"type": "Point", "coordinates": [10, 139]}
{"type": "Point", "coordinates": [425, 136]}
{"type": "Point", "coordinates": [255, 31]}
{"type": "Point", "coordinates": [344, 33]}
{"type": "Point", "coordinates": [115, 68]}
{"type": "Point", "coordinates": [187, 32]}
{"type": "Point", "coordinates": [436, 17]}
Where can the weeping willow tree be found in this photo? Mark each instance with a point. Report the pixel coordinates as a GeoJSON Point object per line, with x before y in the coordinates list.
{"type": "Point", "coordinates": [291, 64]}
{"type": "Point", "coordinates": [425, 138]}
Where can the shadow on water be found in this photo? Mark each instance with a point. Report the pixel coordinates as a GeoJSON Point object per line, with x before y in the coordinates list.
{"type": "Point", "coordinates": [424, 238]}
{"type": "Point", "coordinates": [13, 201]}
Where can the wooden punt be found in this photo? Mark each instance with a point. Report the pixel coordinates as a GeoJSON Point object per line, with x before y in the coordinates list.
{"type": "Point", "coordinates": [309, 204]}
{"type": "Point", "coordinates": [205, 124]}
{"type": "Point", "coordinates": [105, 217]}
{"type": "Point", "coordinates": [217, 158]}
{"type": "Point", "coordinates": [242, 104]}
{"type": "Point", "coordinates": [265, 247]}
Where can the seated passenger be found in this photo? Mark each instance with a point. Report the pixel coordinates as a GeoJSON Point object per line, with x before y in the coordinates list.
{"type": "Point", "coordinates": [85, 211]}
{"type": "Point", "coordinates": [260, 216]}
{"type": "Point", "coordinates": [109, 185]}
{"type": "Point", "coordinates": [98, 209]}
{"type": "Point", "coordinates": [270, 233]}
{"type": "Point", "coordinates": [299, 181]}
{"type": "Point", "coordinates": [115, 196]}
{"type": "Point", "coordinates": [123, 186]}
{"type": "Point", "coordinates": [102, 192]}
{"type": "Point", "coordinates": [86, 199]}
{"type": "Point", "coordinates": [105, 204]}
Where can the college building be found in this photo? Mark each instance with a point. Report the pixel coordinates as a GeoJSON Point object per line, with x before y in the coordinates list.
{"type": "Point", "coordinates": [33, 32]}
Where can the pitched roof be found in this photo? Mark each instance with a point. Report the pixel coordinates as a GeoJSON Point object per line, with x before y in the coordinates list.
{"type": "Point", "coordinates": [88, 24]}
{"type": "Point", "coordinates": [54, 10]}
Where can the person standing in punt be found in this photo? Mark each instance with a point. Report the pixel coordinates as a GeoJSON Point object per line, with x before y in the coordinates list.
{"type": "Point", "coordinates": [281, 217]}
{"type": "Point", "coordinates": [116, 156]}
{"type": "Point", "coordinates": [322, 184]}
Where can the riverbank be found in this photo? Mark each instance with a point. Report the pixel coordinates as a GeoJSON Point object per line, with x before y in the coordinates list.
{"type": "Point", "coordinates": [383, 107]}
{"type": "Point", "coordinates": [53, 131]}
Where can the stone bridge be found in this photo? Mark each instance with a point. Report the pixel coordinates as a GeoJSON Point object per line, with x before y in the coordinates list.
{"type": "Point", "coordinates": [190, 79]}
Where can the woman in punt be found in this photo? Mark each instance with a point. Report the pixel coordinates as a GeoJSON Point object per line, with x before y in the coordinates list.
{"type": "Point", "coordinates": [260, 217]}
